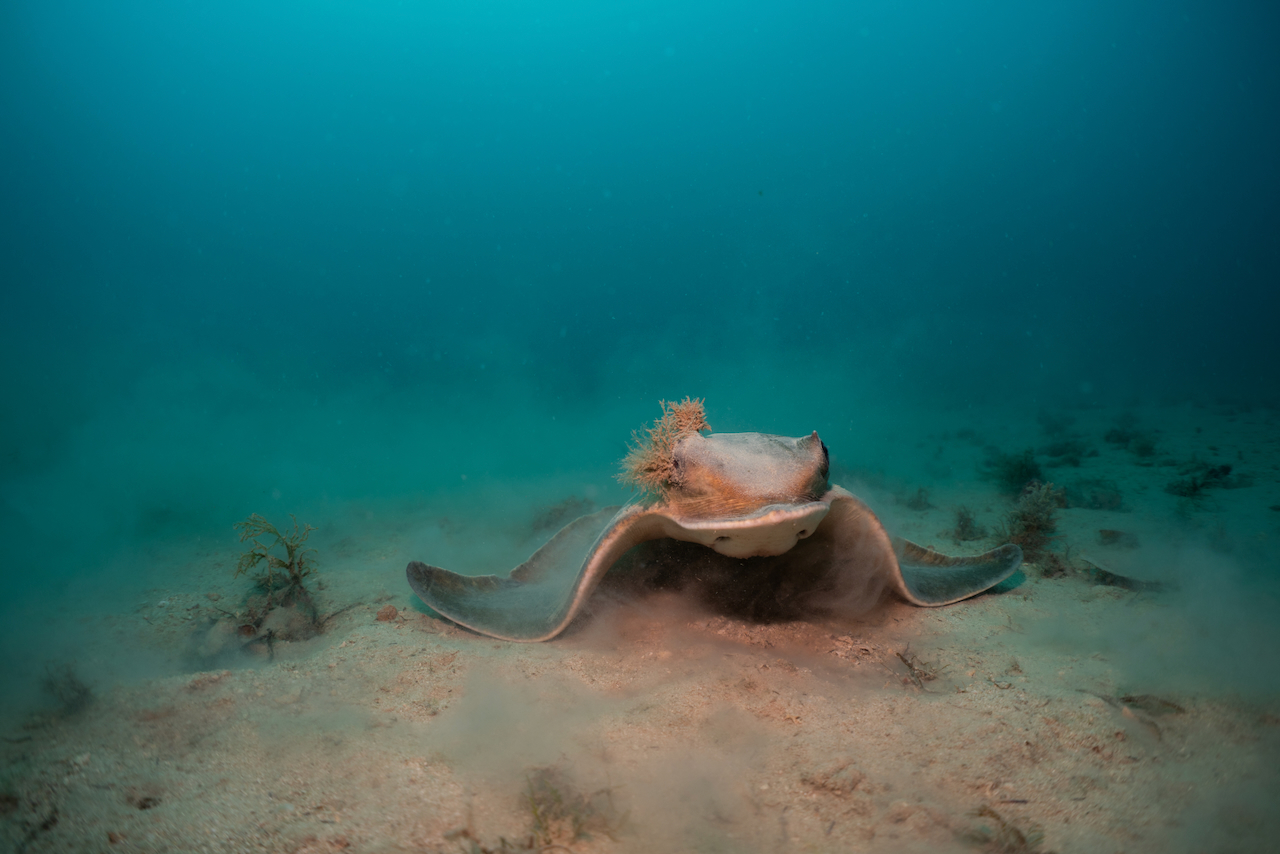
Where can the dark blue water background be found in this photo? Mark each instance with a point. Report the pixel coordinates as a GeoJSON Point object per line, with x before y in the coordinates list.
{"type": "Point", "coordinates": [263, 256]}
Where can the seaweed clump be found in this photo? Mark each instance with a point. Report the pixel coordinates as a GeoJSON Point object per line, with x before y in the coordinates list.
{"type": "Point", "coordinates": [1124, 431]}
{"type": "Point", "coordinates": [286, 610]}
{"type": "Point", "coordinates": [1032, 523]}
{"type": "Point", "coordinates": [1203, 477]}
{"type": "Point", "coordinates": [1143, 445]}
{"type": "Point", "coordinates": [561, 815]}
{"type": "Point", "coordinates": [1095, 494]}
{"type": "Point", "coordinates": [967, 528]}
{"type": "Point", "coordinates": [1004, 837]}
{"type": "Point", "coordinates": [1012, 472]}
{"type": "Point", "coordinates": [556, 516]}
{"type": "Point", "coordinates": [67, 689]}
{"type": "Point", "coordinates": [918, 670]}
{"type": "Point", "coordinates": [1127, 435]}
{"type": "Point", "coordinates": [281, 608]}
{"type": "Point", "coordinates": [282, 573]}
{"type": "Point", "coordinates": [650, 461]}
{"type": "Point", "coordinates": [919, 501]}
{"type": "Point", "coordinates": [1055, 424]}
{"type": "Point", "coordinates": [1067, 452]}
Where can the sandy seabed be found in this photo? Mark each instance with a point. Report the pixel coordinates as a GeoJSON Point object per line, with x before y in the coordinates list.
{"type": "Point", "coordinates": [1058, 714]}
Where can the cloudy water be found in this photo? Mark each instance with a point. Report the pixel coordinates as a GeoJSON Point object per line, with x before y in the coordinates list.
{"type": "Point", "coordinates": [414, 273]}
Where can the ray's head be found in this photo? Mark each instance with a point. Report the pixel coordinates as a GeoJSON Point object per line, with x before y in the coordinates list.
{"type": "Point", "coordinates": [736, 473]}
{"type": "Point", "coordinates": [722, 474]}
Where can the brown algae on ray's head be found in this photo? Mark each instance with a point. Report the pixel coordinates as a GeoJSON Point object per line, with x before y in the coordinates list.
{"type": "Point", "coordinates": [723, 474]}
{"type": "Point", "coordinates": [650, 461]}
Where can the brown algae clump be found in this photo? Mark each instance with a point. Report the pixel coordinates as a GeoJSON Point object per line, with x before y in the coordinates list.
{"type": "Point", "coordinates": [1032, 524]}
{"type": "Point", "coordinates": [285, 572]}
{"type": "Point", "coordinates": [650, 462]}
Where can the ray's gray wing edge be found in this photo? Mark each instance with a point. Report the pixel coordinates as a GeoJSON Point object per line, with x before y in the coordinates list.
{"type": "Point", "coordinates": [919, 575]}
{"type": "Point", "coordinates": [542, 595]}
{"type": "Point", "coordinates": [932, 579]}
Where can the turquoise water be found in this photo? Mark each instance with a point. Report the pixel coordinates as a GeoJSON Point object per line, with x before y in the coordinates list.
{"type": "Point", "coordinates": [348, 260]}
{"type": "Point", "coordinates": [327, 253]}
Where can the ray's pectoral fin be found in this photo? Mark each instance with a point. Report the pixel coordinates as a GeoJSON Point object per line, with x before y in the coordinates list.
{"type": "Point", "coordinates": [543, 594]}
{"type": "Point", "coordinates": [865, 558]}
{"type": "Point", "coordinates": [930, 578]}
{"type": "Point", "coordinates": [920, 576]}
